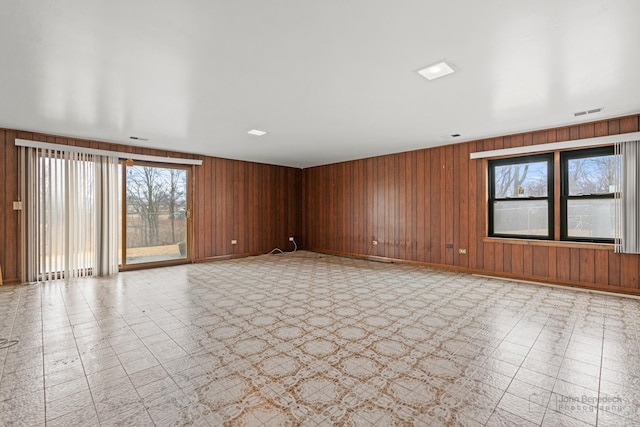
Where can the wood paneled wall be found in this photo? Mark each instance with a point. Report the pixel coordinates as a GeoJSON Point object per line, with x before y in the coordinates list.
{"type": "Point", "coordinates": [256, 204]}
{"type": "Point", "coordinates": [9, 219]}
{"type": "Point", "coordinates": [422, 206]}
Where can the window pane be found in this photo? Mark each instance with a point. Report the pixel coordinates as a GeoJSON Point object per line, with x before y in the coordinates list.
{"type": "Point", "coordinates": [592, 175]}
{"type": "Point", "coordinates": [523, 217]}
{"type": "Point", "coordinates": [521, 180]}
{"type": "Point", "coordinates": [156, 214]}
{"type": "Point", "coordinates": [591, 218]}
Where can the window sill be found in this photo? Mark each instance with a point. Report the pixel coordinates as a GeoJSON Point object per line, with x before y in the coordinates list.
{"type": "Point", "coordinates": [555, 243]}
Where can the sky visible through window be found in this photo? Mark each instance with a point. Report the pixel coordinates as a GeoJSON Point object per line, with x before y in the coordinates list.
{"type": "Point", "coordinates": [521, 180]}
{"type": "Point", "coordinates": [592, 175]}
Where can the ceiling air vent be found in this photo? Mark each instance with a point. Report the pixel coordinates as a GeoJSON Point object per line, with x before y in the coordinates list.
{"type": "Point", "coordinates": [584, 113]}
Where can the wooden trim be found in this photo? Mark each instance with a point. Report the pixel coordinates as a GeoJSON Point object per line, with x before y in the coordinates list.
{"type": "Point", "coordinates": [230, 256]}
{"type": "Point", "coordinates": [552, 285]}
{"type": "Point", "coordinates": [189, 183]}
{"type": "Point", "coordinates": [565, 145]}
{"type": "Point", "coordinates": [144, 265]}
{"type": "Point", "coordinates": [554, 243]}
{"type": "Point", "coordinates": [557, 187]}
{"type": "Point", "coordinates": [485, 195]}
{"type": "Point", "coordinates": [191, 193]}
{"type": "Point", "coordinates": [496, 274]}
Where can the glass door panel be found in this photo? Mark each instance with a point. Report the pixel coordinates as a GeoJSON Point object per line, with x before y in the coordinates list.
{"type": "Point", "coordinates": [155, 214]}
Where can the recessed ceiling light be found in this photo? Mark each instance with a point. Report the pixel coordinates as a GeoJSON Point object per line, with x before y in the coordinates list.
{"type": "Point", "coordinates": [455, 135]}
{"type": "Point", "coordinates": [435, 71]}
{"type": "Point", "coordinates": [256, 132]}
{"type": "Point", "coordinates": [137, 138]}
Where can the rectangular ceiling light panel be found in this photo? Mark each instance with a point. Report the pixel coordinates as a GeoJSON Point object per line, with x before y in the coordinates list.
{"type": "Point", "coordinates": [436, 71]}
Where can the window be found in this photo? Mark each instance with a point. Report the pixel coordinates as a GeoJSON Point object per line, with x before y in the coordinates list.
{"type": "Point", "coordinates": [156, 216]}
{"type": "Point", "coordinates": [521, 197]}
{"type": "Point", "coordinates": [587, 199]}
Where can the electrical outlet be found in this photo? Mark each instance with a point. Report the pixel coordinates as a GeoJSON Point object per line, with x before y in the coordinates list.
{"type": "Point", "coordinates": [17, 206]}
{"type": "Point", "coordinates": [291, 239]}
{"type": "Point", "coordinates": [462, 251]}
{"type": "Point", "coordinates": [374, 243]}
{"type": "Point", "coordinates": [234, 242]}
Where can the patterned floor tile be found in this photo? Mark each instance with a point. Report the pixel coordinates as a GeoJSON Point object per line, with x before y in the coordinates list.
{"type": "Point", "coordinates": [314, 340]}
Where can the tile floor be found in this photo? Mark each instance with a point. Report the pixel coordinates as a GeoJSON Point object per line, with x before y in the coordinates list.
{"type": "Point", "coordinates": [308, 339]}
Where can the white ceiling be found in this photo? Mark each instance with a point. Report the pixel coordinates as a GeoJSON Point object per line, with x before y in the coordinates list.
{"type": "Point", "coordinates": [329, 80]}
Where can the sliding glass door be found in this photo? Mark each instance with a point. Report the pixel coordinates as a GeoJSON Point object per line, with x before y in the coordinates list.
{"type": "Point", "coordinates": [156, 215]}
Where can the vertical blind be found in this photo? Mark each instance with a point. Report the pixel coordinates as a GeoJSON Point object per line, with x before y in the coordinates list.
{"type": "Point", "coordinates": [71, 214]}
{"type": "Point", "coordinates": [106, 216]}
{"type": "Point", "coordinates": [628, 203]}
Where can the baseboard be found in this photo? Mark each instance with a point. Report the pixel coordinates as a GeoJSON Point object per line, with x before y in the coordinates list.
{"type": "Point", "coordinates": [500, 275]}
{"type": "Point", "coordinates": [230, 256]}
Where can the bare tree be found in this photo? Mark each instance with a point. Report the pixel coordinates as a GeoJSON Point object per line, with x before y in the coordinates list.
{"type": "Point", "coordinates": [525, 179]}
{"type": "Point", "coordinates": [157, 196]}
{"type": "Point", "coordinates": [509, 179]}
{"type": "Point", "coordinates": [175, 192]}
{"type": "Point", "coordinates": [145, 195]}
{"type": "Point", "coordinates": [593, 175]}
